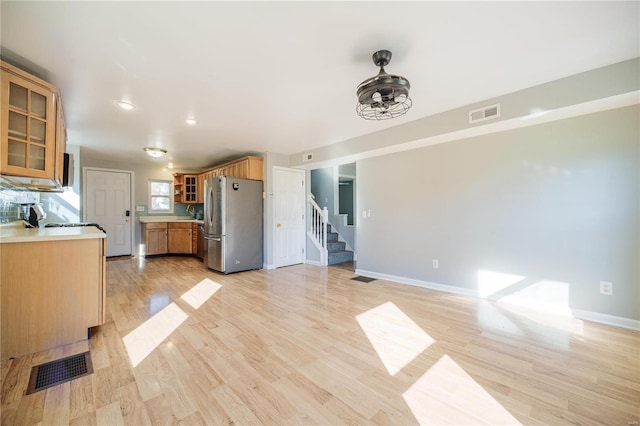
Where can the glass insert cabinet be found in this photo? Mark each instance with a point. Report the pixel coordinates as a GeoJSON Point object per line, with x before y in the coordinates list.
{"type": "Point", "coordinates": [28, 125]}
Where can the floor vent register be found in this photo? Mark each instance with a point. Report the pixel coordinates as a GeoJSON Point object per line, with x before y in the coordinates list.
{"type": "Point", "coordinates": [363, 279]}
{"type": "Point", "coordinates": [53, 373]}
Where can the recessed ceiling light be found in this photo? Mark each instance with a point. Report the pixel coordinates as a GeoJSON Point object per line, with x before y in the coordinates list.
{"type": "Point", "coordinates": [125, 105]}
{"type": "Point", "coordinates": [191, 121]}
{"type": "Point", "coordinates": [155, 152]}
{"type": "Point", "coordinates": [170, 165]}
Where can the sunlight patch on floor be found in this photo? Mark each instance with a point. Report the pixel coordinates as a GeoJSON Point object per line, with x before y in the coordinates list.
{"type": "Point", "coordinates": [447, 395]}
{"type": "Point", "coordinates": [395, 337]}
{"type": "Point", "coordinates": [148, 335]}
{"type": "Point", "coordinates": [201, 292]}
{"type": "Point", "coordinates": [491, 318]}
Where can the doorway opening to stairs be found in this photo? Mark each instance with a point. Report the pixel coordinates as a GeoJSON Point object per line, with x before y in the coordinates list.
{"type": "Point", "coordinates": [333, 220]}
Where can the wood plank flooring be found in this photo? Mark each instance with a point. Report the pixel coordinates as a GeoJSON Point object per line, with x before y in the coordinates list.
{"type": "Point", "coordinates": [307, 345]}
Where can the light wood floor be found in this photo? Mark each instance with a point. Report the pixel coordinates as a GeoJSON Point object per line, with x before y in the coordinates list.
{"type": "Point", "coordinates": [306, 345]}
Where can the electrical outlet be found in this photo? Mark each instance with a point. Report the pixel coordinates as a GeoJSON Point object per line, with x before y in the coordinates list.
{"type": "Point", "coordinates": [606, 287]}
{"type": "Point", "coordinates": [139, 208]}
{"type": "Point", "coordinates": [435, 264]}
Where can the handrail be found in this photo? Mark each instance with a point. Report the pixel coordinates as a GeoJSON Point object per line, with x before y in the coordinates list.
{"type": "Point", "coordinates": [318, 228]}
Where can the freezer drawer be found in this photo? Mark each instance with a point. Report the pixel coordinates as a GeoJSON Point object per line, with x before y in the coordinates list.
{"type": "Point", "coordinates": [214, 253]}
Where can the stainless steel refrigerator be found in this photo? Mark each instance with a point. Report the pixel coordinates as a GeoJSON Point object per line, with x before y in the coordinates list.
{"type": "Point", "coordinates": [232, 224]}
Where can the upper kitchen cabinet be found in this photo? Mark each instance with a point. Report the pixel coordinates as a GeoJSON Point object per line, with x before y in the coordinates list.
{"type": "Point", "coordinates": [190, 194]}
{"type": "Point", "coordinates": [243, 168]}
{"type": "Point", "coordinates": [32, 127]}
{"type": "Point", "coordinates": [186, 188]}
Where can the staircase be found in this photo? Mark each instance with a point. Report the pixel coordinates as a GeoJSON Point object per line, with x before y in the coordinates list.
{"type": "Point", "coordinates": [336, 249]}
{"type": "Point", "coordinates": [332, 251]}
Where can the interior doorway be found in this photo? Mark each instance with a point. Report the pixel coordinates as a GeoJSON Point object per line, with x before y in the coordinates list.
{"type": "Point", "coordinates": [289, 206]}
{"type": "Point", "coordinates": [107, 202]}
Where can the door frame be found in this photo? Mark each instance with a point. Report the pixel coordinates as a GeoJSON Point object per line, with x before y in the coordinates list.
{"type": "Point", "coordinates": [132, 176]}
{"type": "Point", "coordinates": [303, 235]}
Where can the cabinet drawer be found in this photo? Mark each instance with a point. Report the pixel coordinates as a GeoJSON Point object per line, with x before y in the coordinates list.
{"type": "Point", "coordinates": [156, 225]}
{"type": "Point", "coordinates": [179, 225]}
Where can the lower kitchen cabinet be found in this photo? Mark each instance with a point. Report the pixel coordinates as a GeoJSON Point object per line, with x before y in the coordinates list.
{"type": "Point", "coordinates": [52, 292]}
{"type": "Point", "coordinates": [170, 237]}
{"type": "Point", "coordinates": [179, 239]}
{"type": "Point", "coordinates": [155, 238]}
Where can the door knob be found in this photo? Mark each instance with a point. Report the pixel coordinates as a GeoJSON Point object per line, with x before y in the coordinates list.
{"type": "Point", "coordinates": [278, 225]}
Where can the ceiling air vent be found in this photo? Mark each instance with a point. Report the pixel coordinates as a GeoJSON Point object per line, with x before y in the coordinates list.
{"type": "Point", "coordinates": [484, 113]}
{"type": "Point", "coordinates": [307, 157]}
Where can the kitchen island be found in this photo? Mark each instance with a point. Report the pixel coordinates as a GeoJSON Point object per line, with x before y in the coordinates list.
{"type": "Point", "coordinates": [52, 287]}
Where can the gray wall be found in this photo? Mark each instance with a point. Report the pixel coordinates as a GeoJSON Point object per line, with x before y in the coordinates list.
{"type": "Point", "coordinates": [322, 188]}
{"type": "Point", "coordinates": [557, 203]}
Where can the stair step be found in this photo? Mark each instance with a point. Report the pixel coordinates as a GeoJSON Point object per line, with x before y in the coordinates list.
{"type": "Point", "coordinates": [340, 257]}
{"type": "Point", "coordinates": [335, 246]}
{"type": "Point", "coordinates": [332, 236]}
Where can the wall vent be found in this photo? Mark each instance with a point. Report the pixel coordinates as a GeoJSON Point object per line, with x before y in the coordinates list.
{"type": "Point", "coordinates": [484, 113]}
{"type": "Point", "coordinates": [307, 157]}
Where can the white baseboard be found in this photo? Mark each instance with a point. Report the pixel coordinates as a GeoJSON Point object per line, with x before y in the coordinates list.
{"type": "Point", "coordinates": [312, 262]}
{"type": "Point", "coordinates": [629, 323]}
{"type": "Point", "coordinates": [616, 321]}
{"type": "Point", "coordinates": [265, 266]}
{"type": "Point", "coordinates": [419, 283]}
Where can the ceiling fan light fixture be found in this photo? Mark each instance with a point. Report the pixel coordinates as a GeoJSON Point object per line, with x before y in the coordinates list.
{"type": "Point", "coordinates": [154, 152]}
{"type": "Point", "coordinates": [383, 96]}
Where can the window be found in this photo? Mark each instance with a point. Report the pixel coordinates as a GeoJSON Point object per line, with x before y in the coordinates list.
{"type": "Point", "coordinates": [160, 196]}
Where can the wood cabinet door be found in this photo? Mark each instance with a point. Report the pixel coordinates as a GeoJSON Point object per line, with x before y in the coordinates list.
{"type": "Point", "coordinates": [28, 128]}
{"type": "Point", "coordinates": [179, 241]}
{"type": "Point", "coordinates": [200, 188]}
{"type": "Point", "coordinates": [254, 168]}
{"type": "Point", "coordinates": [156, 241]}
{"type": "Point", "coordinates": [190, 190]}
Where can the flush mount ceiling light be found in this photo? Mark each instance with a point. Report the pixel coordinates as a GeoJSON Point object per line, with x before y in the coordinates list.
{"type": "Point", "coordinates": [383, 96]}
{"type": "Point", "coordinates": [155, 152]}
{"type": "Point", "coordinates": [125, 105]}
{"type": "Point", "coordinates": [191, 121]}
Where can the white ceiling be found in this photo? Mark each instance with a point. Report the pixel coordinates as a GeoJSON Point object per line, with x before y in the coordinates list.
{"type": "Point", "coordinates": [281, 76]}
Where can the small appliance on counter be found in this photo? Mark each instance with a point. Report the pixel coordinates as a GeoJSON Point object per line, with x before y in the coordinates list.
{"type": "Point", "coordinates": [33, 214]}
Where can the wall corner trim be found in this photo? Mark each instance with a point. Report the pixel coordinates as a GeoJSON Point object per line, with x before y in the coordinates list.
{"type": "Point", "coordinates": [600, 318]}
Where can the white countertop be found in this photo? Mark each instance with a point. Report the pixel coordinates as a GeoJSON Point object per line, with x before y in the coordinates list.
{"type": "Point", "coordinates": [14, 234]}
{"type": "Point", "coordinates": [155, 219]}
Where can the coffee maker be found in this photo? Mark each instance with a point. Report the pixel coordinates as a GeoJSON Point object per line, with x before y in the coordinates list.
{"type": "Point", "coordinates": [33, 214]}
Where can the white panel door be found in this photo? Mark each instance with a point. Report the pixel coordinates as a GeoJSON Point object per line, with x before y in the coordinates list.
{"type": "Point", "coordinates": [108, 199]}
{"type": "Point", "coordinates": [288, 185]}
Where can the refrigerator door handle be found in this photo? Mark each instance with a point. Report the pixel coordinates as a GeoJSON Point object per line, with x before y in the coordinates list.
{"type": "Point", "coordinates": [210, 208]}
{"type": "Point", "coordinates": [213, 238]}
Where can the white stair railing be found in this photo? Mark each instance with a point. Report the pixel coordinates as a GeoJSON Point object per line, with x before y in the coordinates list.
{"type": "Point", "coordinates": [318, 229]}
